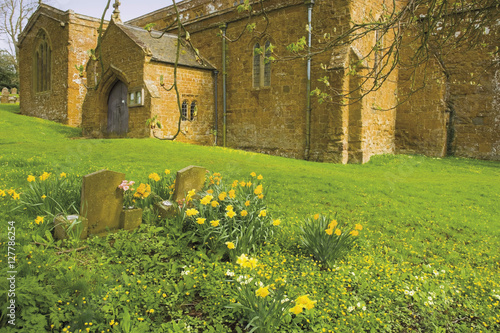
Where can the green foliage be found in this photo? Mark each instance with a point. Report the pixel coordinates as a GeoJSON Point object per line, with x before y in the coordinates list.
{"type": "Point", "coordinates": [327, 240]}
{"type": "Point", "coordinates": [49, 194]}
{"type": "Point", "coordinates": [230, 219]}
{"type": "Point", "coordinates": [299, 46]}
{"type": "Point", "coordinates": [8, 75]}
{"type": "Point", "coordinates": [162, 186]}
{"type": "Point", "coordinates": [426, 259]}
{"type": "Point", "coordinates": [153, 123]}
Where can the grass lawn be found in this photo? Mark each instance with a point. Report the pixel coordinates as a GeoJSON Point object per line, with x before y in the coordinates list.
{"type": "Point", "coordinates": [427, 258]}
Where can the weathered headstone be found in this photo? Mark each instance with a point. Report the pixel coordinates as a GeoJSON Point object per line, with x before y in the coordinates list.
{"type": "Point", "coordinates": [4, 98]}
{"type": "Point", "coordinates": [13, 91]}
{"type": "Point", "coordinates": [12, 99]}
{"type": "Point", "coordinates": [187, 179]}
{"type": "Point", "coordinates": [102, 201]}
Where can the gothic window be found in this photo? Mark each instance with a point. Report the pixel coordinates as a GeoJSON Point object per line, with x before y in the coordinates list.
{"type": "Point", "coordinates": [184, 110]}
{"type": "Point", "coordinates": [194, 110]}
{"type": "Point", "coordinates": [42, 63]}
{"type": "Point", "coordinates": [261, 65]}
{"type": "Point", "coordinates": [267, 65]}
{"type": "Point", "coordinates": [256, 65]}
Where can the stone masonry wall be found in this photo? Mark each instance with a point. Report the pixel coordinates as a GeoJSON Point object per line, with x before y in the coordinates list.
{"type": "Point", "coordinates": [82, 37]}
{"type": "Point", "coordinates": [458, 113]}
{"type": "Point", "coordinates": [50, 104]}
{"type": "Point", "coordinates": [195, 85]}
{"type": "Point", "coordinates": [71, 36]}
{"type": "Point", "coordinates": [122, 60]}
{"type": "Point", "coordinates": [270, 120]}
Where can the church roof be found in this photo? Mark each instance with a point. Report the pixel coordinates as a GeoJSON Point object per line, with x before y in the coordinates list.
{"type": "Point", "coordinates": [163, 48]}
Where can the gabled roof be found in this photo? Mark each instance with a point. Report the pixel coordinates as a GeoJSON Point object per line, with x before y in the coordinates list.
{"type": "Point", "coordinates": [163, 48]}
{"type": "Point", "coordinates": [63, 17]}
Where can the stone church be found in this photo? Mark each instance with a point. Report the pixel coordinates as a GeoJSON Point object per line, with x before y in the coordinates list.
{"type": "Point", "coordinates": [227, 93]}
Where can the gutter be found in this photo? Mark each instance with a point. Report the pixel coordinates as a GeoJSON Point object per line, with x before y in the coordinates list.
{"type": "Point", "coordinates": [224, 78]}
{"type": "Point", "coordinates": [216, 124]}
{"type": "Point", "coordinates": [307, 151]}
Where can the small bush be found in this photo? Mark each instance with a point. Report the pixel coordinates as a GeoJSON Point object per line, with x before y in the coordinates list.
{"type": "Point", "coordinates": [327, 240]}
{"type": "Point", "coordinates": [49, 195]}
{"type": "Point", "coordinates": [229, 219]}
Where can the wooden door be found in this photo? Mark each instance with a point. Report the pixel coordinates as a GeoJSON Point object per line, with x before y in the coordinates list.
{"type": "Point", "coordinates": [118, 109]}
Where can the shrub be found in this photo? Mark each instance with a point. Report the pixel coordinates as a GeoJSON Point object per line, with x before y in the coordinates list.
{"type": "Point", "coordinates": [229, 219]}
{"type": "Point", "coordinates": [265, 306]}
{"type": "Point", "coordinates": [49, 194]}
{"type": "Point", "coordinates": [327, 240]}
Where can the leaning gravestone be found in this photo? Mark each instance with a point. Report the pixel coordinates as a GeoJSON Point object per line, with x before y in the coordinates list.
{"type": "Point", "coordinates": [102, 201]}
{"type": "Point", "coordinates": [5, 96]}
{"type": "Point", "coordinates": [187, 179]}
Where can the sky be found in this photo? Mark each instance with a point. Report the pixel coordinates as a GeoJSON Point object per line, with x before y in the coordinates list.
{"type": "Point", "coordinates": [129, 9]}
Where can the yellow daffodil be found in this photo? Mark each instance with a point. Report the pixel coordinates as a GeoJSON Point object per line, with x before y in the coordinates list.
{"type": "Point", "coordinates": [154, 176]}
{"type": "Point", "coordinates": [206, 200]}
{"type": "Point", "coordinates": [232, 194]}
{"type": "Point", "coordinates": [338, 232]}
{"type": "Point", "coordinates": [329, 231]}
{"type": "Point", "coordinates": [230, 245]}
{"type": "Point", "coordinates": [222, 196]}
{"type": "Point", "coordinates": [214, 223]}
{"type": "Point", "coordinates": [62, 175]}
{"type": "Point", "coordinates": [44, 176]}
{"type": "Point", "coordinates": [252, 263]}
{"type": "Point", "coordinates": [258, 190]}
{"type": "Point", "coordinates": [333, 224]}
{"type": "Point", "coordinates": [167, 172]}
{"type": "Point", "coordinates": [230, 214]}
{"type": "Point", "coordinates": [354, 233]}
{"type": "Point", "coordinates": [247, 203]}
{"type": "Point", "coordinates": [259, 177]}
{"type": "Point", "coordinates": [242, 259]}
{"type": "Point", "coordinates": [358, 227]}
{"type": "Point", "coordinates": [200, 220]}
{"type": "Point", "coordinates": [39, 219]}
{"type": "Point", "coordinates": [276, 222]}
{"type": "Point", "coordinates": [316, 216]}
{"type": "Point", "coordinates": [31, 178]}
{"type": "Point", "coordinates": [191, 212]}
{"type": "Point", "coordinates": [253, 174]}
{"type": "Point", "coordinates": [296, 309]}
{"type": "Point", "coordinates": [262, 292]}
{"type": "Point", "coordinates": [214, 204]}
{"type": "Point", "coordinates": [262, 213]}
{"type": "Point", "coordinates": [244, 213]}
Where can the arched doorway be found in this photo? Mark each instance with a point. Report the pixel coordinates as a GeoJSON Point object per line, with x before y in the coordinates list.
{"type": "Point", "coordinates": [118, 109]}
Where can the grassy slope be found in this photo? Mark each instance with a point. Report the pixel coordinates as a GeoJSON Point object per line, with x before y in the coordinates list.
{"type": "Point", "coordinates": [415, 209]}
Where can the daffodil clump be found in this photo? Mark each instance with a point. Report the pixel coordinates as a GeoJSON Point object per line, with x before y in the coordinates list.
{"type": "Point", "coordinates": [230, 219]}
{"type": "Point", "coordinates": [327, 240]}
{"type": "Point", "coordinates": [162, 184]}
{"type": "Point", "coordinates": [50, 194]}
{"type": "Point", "coordinates": [263, 299]}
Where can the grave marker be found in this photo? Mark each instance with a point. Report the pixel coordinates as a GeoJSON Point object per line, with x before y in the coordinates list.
{"type": "Point", "coordinates": [191, 177]}
{"type": "Point", "coordinates": [5, 96]}
{"type": "Point", "coordinates": [102, 201]}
